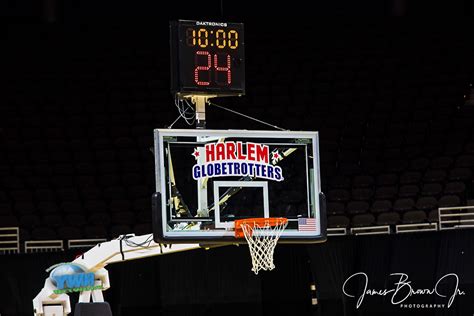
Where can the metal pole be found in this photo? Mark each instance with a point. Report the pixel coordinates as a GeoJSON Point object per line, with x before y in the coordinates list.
{"type": "Point", "coordinates": [200, 102]}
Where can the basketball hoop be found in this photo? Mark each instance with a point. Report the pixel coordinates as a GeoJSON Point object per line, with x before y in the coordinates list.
{"type": "Point", "coordinates": [262, 235]}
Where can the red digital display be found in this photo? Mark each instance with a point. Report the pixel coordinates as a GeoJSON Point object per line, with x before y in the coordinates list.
{"type": "Point", "coordinates": [207, 58]}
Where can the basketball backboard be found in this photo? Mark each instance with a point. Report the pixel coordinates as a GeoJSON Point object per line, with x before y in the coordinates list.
{"type": "Point", "coordinates": [207, 179]}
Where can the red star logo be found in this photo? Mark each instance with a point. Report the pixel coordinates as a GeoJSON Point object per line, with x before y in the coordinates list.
{"type": "Point", "coordinates": [195, 153]}
{"type": "Point", "coordinates": [276, 156]}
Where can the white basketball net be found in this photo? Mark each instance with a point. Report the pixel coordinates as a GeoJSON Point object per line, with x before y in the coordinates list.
{"type": "Point", "coordinates": [262, 241]}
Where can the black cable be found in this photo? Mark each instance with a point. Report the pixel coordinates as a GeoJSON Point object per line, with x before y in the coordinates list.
{"type": "Point", "coordinates": [121, 249]}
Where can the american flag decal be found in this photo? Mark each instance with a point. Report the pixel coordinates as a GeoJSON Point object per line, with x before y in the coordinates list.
{"type": "Point", "coordinates": [307, 224]}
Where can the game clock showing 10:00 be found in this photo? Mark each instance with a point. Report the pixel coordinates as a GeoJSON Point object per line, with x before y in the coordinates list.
{"type": "Point", "coordinates": [207, 58]}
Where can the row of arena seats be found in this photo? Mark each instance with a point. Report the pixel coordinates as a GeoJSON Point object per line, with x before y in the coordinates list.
{"type": "Point", "coordinates": [76, 127]}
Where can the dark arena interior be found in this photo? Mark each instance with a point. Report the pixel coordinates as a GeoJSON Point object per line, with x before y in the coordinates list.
{"type": "Point", "coordinates": [388, 85]}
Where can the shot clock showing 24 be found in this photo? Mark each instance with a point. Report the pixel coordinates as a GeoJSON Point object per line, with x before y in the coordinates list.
{"type": "Point", "coordinates": [207, 58]}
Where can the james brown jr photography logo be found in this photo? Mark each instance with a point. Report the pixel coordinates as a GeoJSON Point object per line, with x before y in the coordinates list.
{"type": "Point", "coordinates": [446, 287]}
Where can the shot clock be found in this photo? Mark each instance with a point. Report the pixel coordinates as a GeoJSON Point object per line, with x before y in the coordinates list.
{"type": "Point", "coordinates": [207, 58]}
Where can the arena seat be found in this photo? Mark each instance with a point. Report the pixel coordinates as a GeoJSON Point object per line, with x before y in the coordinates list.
{"type": "Point", "coordinates": [78, 153]}
{"type": "Point", "coordinates": [457, 188]}
{"type": "Point", "coordinates": [357, 207]}
{"type": "Point", "coordinates": [390, 218]}
{"type": "Point", "coordinates": [412, 217]}
{"type": "Point", "coordinates": [403, 205]}
{"type": "Point", "coordinates": [449, 201]}
{"type": "Point", "coordinates": [43, 233]}
{"type": "Point", "coordinates": [431, 189]}
{"type": "Point", "coordinates": [69, 232]}
{"type": "Point", "coordinates": [363, 220]}
{"type": "Point", "coordinates": [381, 206]}
{"type": "Point", "coordinates": [334, 208]}
{"type": "Point", "coordinates": [426, 203]}
{"type": "Point", "coordinates": [338, 221]}
{"type": "Point", "coordinates": [95, 232]}
{"type": "Point", "coordinates": [408, 191]}
{"type": "Point", "coordinates": [386, 193]}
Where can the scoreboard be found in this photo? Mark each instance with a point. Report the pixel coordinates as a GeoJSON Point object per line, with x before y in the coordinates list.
{"type": "Point", "coordinates": [207, 58]}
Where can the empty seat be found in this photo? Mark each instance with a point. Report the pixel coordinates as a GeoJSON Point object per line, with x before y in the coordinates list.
{"type": "Point", "coordinates": [390, 218]}
{"type": "Point", "coordinates": [65, 169]}
{"type": "Point", "coordinates": [99, 218]}
{"type": "Point", "coordinates": [460, 174]}
{"type": "Point", "coordinates": [465, 161]}
{"type": "Point", "coordinates": [8, 221]}
{"type": "Point", "coordinates": [419, 164]}
{"type": "Point", "coordinates": [44, 195]}
{"type": "Point", "coordinates": [6, 209]}
{"type": "Point", "coordinates": [396, 166]}
{"type": "Point", "coordinates": [434, 176]}
{"type": "Point", "coordinates": [410, 177]}
{"type": "Point", "coordinates": [114, 193]}
{"type": "Point", "coordinates": [120, 206]}
{"type": "Point", "coordinates": [455, 188]}
{"type": "Point", "coordinates": [363, 220]}
{"type": "Point", "coordinates": [349, 168]}
{"type": "Point", "coordinates": [139, 191]}
{"type": "Point", "coordinates": [441, 163]}
{"type": "Point", "coordinates": [142, 229]}
{"type": "Point", "coordinates": [338, 221]}
{"type": "Point", "coordinates": [3, 197]}
{"type": "Point", "coordinates": [431, 189]}
{"type": "Point", "coordinates": [426, 203]}
{"type": "Point", "coordinates": [123, 218]}
{"type": "Point", "coordinates": [124, 142]}
{"type": "Point", "coordinates": [362, 194]}
{"type": "Point", "coordinates": [21, 196]}
{"type": "Point", "coordinates": [105, 155]}
{"type": "Point", "coordinates": [23, 208]}
{"type": "Point", "coordinates": [48, 207]}
{"type": "Point", "coordinates": [387, 179]}
{"type": "Point", "coordinates": [381, 206]}
{"type": "Point", "coordinates": [95, 231]}
{"type": "Point", "coordinates": [340, 182]}
{"type": "Point", "coordinates": [95, 206]}
{"type": "Point", "coordinates": [53, 220]}
{"type": "Point", "coordinates": [68, 207]}
{"type": "Point", "coordinates": [408, 190]}
{"type": "Point", "coordinates": [117, 230]}
{"type": "Point", "coordinates": [142, 205]}
{"type": "Point", "coordinates": [85, 182]}
{"type": "Point", "coordinates": [108, 180]}
{"type": "Point", "coordinates": [91, 193]}
{"type": "Point", "coordinates": [85, 168]}
{"type": "Point", "coordinates": [449, 201]}
{"type": "Point", "coordinates": [131, 179]}
{"type": "Point", "coordinates": [453, 149]}
{"type": "Point", "coordinates": [363, 181]}
{"type": "Point", "coordinates": [413, 217]}
{"type": "Point", "coordinates": [11, 182]}
{"type": "Point", "coordinates": [469, 148]}
{"type": "Point", "coordinates": [144, 217]}
{"type": "Point", "coordinates": [338, 195]}
{"type": "Point", "coordinates": [386, 193]}
{"type": "Point", "coordinates": [357, 207]}
{"type": "Point", "coordinates": [43, 233]}
{"type": "Point", "coordinates": [403, 205]}
{"type": "Point", "coordinates": [334, 208]}
{"type": "Point", "coordinates": [69, 232]}
{"type": "Point", "coordinates": [107, 172]}
{"type": "Point", "coordinates": [68, 194]}
{"type": "Point", "coordinates": [77, 220]}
